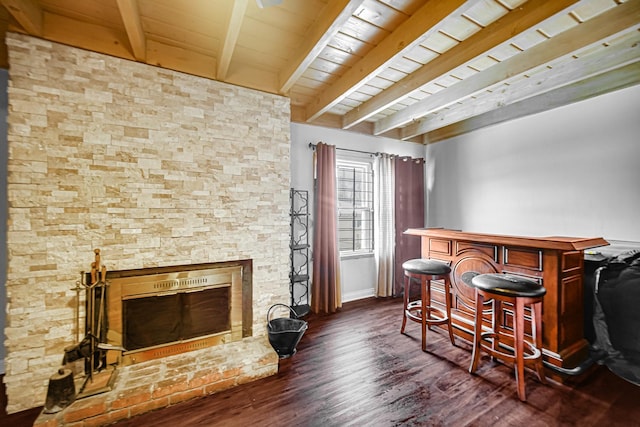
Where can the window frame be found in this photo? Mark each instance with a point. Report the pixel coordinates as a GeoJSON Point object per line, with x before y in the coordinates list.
{"type": "Point", "coordinates": [367, 164]}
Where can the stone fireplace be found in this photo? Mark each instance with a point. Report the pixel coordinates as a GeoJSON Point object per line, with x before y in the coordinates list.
{"type": "Point", "coordinates": [158, 169]}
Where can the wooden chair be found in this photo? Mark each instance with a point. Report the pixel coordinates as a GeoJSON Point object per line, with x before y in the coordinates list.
{"type": "Point", "coordinates": [422, 310]}
{"type": "Point", "coordinates": [519, 292]}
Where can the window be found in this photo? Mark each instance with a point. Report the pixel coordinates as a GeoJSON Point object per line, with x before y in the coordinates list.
{"type": "Point", "coordinates": [355, 207]}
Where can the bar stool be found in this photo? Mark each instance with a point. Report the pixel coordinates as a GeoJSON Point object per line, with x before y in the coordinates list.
{"type": "Point", "coordinates": [519, 292]}
{"type": "Point", "coordinates": [422, 311]}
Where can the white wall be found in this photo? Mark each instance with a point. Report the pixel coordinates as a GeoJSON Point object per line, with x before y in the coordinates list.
{"type": "Point", "coordinates": [358, 275]}
{"type": "Point", "coordinates": [571, 171]}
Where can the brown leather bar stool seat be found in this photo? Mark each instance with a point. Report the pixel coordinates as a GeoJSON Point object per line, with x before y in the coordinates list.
{"type": "Point", "coordinates": [422, 310]}
{"type": "Point", "coordinates": [519, 292]}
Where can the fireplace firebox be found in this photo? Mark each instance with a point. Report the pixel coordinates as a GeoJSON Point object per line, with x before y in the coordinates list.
{"type": "Point", "coordinates": [165, 319]}
{"type": "Point", "coordinates": [157, 312]}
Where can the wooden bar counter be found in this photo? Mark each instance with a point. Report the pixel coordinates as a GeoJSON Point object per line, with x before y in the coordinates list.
{"type": "Point", "coordinates": [554, 262]}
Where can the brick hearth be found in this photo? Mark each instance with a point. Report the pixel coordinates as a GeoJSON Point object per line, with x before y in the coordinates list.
{"type": "Point", "coordinates": [179, 378]}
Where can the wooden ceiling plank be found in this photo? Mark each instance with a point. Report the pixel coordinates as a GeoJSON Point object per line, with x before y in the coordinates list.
{"type": "Point", "coordinates": [87, 36]}
{"type": "Point", "coordinates": [332, 18]}
{"type": "Point", "coordinates": [564, 74]}
{"type": "Point", "coordinates": [179, 59]}
{"type": "Point", "coordinates": [604, 25]}
{"type": "Point", "coordinates": [231, 37]}
{"type": "Point", "coordinates": [425, 21]}
{"type": "Point", "coordinates": [130, 14]}
{"type": "Point", "coordinates": [515, 22]}
{"type": "Point", "coordinates": [621, 78]}
{"type": "Point", "coordinates": [255, 78]}
{"type": "Point", "coordinates": [28, 14]}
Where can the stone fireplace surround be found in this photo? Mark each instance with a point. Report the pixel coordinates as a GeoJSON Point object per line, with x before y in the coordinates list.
{"type": "Point", "coordinates": [156, 168]}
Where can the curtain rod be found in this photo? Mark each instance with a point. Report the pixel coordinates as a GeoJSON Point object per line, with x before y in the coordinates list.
{"type": "Point", "coordinates": [313, 147]}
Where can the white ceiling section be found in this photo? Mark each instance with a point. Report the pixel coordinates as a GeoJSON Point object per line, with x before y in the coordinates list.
{"type": "Point", "coordinates": [415, 70]}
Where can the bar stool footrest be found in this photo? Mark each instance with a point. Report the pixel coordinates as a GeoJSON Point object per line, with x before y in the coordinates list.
{"type": "Point", "coordinates": [414, 312]}
{"type": "Point", "coordinates": [486, 342]}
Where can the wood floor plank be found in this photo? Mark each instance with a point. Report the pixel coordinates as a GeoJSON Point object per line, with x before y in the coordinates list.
{"type": "Point", "coordinates": [354, 368]}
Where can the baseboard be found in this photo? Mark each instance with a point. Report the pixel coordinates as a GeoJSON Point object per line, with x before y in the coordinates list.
{"type": "Point", "coordinates": [356, 295]}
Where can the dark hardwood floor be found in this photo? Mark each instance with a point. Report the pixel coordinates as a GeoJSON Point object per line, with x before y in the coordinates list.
{"type": "Point", "coordinates": [354, 368]}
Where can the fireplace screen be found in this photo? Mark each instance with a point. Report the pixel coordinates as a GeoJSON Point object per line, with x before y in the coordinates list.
{"type": "Point", "coordinates": [163, 311]}
{"type": "Point", "coordinates": [165, 319]}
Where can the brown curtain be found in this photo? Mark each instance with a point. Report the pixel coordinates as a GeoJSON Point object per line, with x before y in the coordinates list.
{"type": "Point", "coordinates": [409, 212]}
{"type": "Point", "coordinates": [325, 286]}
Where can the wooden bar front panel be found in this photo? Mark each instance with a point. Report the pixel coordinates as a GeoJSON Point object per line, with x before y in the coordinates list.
{"type": "Point", "coordinates": [555, 262]}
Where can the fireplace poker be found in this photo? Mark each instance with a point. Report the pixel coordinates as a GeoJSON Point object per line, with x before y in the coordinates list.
{"type": "Point", "coordinates": [102, 285]}
{"type": "Point", "coordinates": [91, 296]}
{"type": "Point", "coordinates": [103, 289]}
{"type": "Point", "coordinates": [77, 289]}
{"type": "Point", "coordinates": [93, 337]}
{"type": "Point", "coordinates": [77, 351]}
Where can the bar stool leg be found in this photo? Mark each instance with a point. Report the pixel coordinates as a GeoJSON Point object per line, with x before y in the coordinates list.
{"type": "Point", "coordinates": [496, 321]}
{"type": "Point", "coordinates": [425, 311]}
{"type": "Point", "coordinates": [536, 311]}
{"type": "Point", "coordinates": [477, 332]}
{"type": "Point", "coordinates": [407, 289]}
{"type": "Point", "coordinates": [518, 329]}
{"type": "Point", "coordinates": [447, 291]}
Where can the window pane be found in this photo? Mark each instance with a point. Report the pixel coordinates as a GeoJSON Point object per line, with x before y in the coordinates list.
{"type": "Point", "coordinates": [345, 230]}
{"type": "Point", "coordinates": [363, 230]}
{"type": "Point", "coordinates": [355, 206]}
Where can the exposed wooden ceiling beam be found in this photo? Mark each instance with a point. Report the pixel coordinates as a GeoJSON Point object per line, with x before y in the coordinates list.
{"type": "Point", "coordinates": [131, 18]}
{"type": "Point", "coordinates": [603, 61]}
{"type": "Point", "coordinates": [623, 77]}
{"type": "Point", "coordinates": [513, 23]}
{"type": "Point", "coordinates": [28, 14]}
{"type": "Point", "coordinates": [421, 24]}
{"type": "Point", "coordinates": [592, 31]}
{"type": "Point", "coordinates": [231, 37]}
{"type": "Point", "coordinates": [332, 18]}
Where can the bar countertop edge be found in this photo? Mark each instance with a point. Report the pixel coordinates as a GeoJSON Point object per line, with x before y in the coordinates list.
{"type": "Point", "coordinates": [550, 242]}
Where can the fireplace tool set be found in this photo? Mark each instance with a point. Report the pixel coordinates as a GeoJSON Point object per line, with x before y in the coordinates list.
{"type": "Point", "coordinates": [91, 344]}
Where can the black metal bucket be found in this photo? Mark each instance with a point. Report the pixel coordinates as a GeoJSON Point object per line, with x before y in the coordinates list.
{"type": "Point", "coordinates": [284, 332]}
